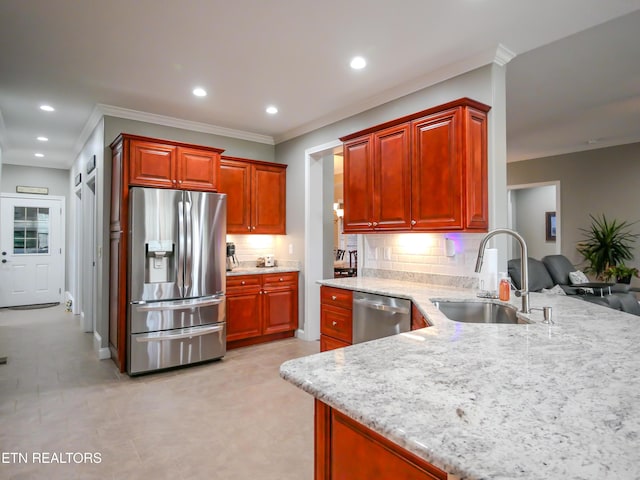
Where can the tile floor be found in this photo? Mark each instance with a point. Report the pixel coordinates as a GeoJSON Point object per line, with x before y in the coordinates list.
{"type": "Point", "coordinates": [229, 419]}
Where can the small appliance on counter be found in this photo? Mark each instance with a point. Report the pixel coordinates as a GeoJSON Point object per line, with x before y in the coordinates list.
{"type": "Point", "coordinates": [232, 260]}
{"type": "Point", "coordinates": [267, 261]}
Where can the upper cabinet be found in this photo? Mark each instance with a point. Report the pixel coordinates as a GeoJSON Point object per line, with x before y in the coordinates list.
{"type": "Point", "coordinates": [164, 164]}
{"type": "Point", "coordinates": [423, 172]}
{"type": "Point", "coordinates": [256, 195]}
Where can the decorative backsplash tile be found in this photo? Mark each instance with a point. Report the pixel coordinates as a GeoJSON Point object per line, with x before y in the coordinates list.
{"type": "Point", "coordinates": [422, 257]}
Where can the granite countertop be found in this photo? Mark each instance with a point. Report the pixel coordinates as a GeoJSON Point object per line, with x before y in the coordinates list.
{"type": "Point", "coordinates": [487, 401]}
{"type": "Point", "coordinates": [260, 270]}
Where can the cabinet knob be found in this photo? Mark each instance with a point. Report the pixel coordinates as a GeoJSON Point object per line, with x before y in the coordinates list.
{"type": "Point", "coordinates": [261, 292]}
{"type": "Point", "coordinates": [242, 282]}
{"type": "Point", "coordinates": [369, 224]}
{"type": "Point", "coordinates": [281, 279]}
{"type": "Point", "coordinates": [179, 181]}
{"type": "Point", "coordinates": [333, 297]}
{"type": "Point", "coordinates": [375, 224]}
{"type": "Point", "coordinates": [413, 222]}
{"type": "Point", "coordinates": [253, 228]}
{"type": "Point", "coordinates": [248, 227]}
{"type": "Point", "coordinates": [334, 323]}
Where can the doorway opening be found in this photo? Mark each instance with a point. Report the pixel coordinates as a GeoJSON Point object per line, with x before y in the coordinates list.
{"type": "Point", "coordinates": [534, 212]}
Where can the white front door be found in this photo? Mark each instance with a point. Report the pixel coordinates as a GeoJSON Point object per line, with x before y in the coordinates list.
{"type": "Point", "coordinates": [31, 243]}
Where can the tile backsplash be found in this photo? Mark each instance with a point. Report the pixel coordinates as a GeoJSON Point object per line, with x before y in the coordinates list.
{"type": "Point", "coordinates": [250, 247]}
{"type": "Point", "coordinates": [423, 257]}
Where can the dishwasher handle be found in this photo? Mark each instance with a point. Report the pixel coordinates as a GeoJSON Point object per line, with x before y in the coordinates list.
{"type": "Point", "coordinates": [380, 306]}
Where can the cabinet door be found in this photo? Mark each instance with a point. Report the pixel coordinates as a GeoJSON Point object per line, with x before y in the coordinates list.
{"type": "Point", "coordinates": [476, 184]}
{"type": "Point", "coordinates": [243, 313]}
{"type": "Point", "coordinates": [235, 181]}
{"type": "Point", "coordinates": [152, 164]}
{"type": "Point", "coordinates": [269, 199]}
{"type": "Point", "coordinates": [392, 179]}
{"type": "Point", "coordinates": [280, 312]}
{"type": "Point", "coordinates": [358, 185]}
{"type": "Point", "coordinates": [198, 169]}
{"type": "Point", "coordinates": [437, 201]}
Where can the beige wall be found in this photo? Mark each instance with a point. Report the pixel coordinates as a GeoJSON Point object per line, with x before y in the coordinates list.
{"type": "Point", "coordinates": [603, 181]}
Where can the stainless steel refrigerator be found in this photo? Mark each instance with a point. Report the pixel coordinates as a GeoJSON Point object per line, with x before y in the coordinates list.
{"type": "Point", "coordinates": [176, 275]}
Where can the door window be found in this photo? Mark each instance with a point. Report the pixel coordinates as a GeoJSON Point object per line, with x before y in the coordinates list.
{"type": "Point", "coordinates": [30, 230]}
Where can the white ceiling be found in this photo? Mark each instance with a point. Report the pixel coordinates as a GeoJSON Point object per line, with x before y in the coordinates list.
{"type": "Point", "coordinates": [147, 55]}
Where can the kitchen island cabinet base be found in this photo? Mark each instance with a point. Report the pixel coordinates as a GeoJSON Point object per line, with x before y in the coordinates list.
{"type": "Point", "coordinates": [245, 342]}
{"type": "Point", "coordinates": [346, 449]}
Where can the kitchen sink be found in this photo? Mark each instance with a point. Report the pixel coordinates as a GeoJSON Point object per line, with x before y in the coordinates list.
{"type": "Point", "coordinates": [479, 312]}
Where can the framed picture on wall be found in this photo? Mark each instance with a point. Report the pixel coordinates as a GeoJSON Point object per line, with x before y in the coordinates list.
{"type": "Point", "coordinates": [550, 226]}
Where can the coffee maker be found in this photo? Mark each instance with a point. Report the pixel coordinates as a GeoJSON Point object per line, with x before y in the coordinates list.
{"type": "Point", "coordinates": [231, 256]}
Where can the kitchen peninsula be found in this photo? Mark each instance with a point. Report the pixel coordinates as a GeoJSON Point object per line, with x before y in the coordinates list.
{"type": "Point", "coordinates": [485, 401]}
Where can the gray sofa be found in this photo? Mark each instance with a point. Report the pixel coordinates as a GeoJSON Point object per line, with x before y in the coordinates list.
{"type": "Point", "coordinates": [554, 270]}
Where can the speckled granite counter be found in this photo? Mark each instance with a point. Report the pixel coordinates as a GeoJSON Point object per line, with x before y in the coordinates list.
{"type": "Point", "coordinates": [260, 270]}
{"type": "Point", "coordinates": [486, 401]}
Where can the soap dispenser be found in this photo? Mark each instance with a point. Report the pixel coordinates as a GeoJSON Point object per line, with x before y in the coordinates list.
{"type": "Point", "coordinates": [505, 287]}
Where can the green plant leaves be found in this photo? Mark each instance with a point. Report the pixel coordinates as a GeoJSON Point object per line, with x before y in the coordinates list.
{"type": "Point", "coordinates": [607, 243]}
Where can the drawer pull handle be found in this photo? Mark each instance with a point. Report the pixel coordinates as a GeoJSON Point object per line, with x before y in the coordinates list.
{"type": "Point", "coordinates": [334, 323]}
{"type": "Point", "coordinates": [333, 297]}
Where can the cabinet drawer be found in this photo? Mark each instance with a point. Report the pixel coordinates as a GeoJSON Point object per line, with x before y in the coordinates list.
{"type": "Point", "coordinates": [338, 297]}
{"type": "Point", "coordinates": [242, 281]}
{"type": "Point", "coordinates": [280, 278]}
{"type": "Point", "coordinates": [336, 322]}
{"type": "Point", "coordinates": [329, 343]}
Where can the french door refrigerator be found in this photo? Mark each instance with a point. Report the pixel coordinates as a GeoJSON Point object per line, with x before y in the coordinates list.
{"type": "Point", "coordinates": [176, 278]}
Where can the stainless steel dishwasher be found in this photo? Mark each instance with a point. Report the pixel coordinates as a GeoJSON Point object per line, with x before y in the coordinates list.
{"type": "Point", "coordinates": [377, 316]}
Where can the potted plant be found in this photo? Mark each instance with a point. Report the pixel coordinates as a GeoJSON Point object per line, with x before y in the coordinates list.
{"type": "Point", "coordinates": [607, 244]}
{"type": "Point", "coordinates": [620, 273]}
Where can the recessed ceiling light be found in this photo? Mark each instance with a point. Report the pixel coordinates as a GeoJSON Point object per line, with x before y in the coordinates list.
{"type": "Point", "coordinates": [272, 110]}
{"type": "Point", "coordinates": [43, 139]}
{"type": "Point", "coordinates": [47, 108]}
{"type": "Point", "coordinates": [199, 92]}
{"type": "Point", "coordinates": [358, 63]}
{"type": "Point", "coordinates": [39, 155]}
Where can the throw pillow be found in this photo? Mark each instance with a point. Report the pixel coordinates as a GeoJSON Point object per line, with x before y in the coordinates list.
{"type": "Point", "coordinates": [556, 290]}
{"type": "Point", "coordinates": [579, 277]}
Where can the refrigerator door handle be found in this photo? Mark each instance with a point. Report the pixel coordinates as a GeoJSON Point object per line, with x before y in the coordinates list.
{"type": "Point", "coordinates": [180, 279]}
{"type": "Point", "coordinates": [178, 305]}
{"type": "Point", "coordinates": [161, 336]}
{"type": "Point", "coordinates": [189, 234]}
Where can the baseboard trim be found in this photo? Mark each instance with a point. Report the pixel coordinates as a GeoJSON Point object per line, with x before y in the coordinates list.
{"type": "Point", "coordinates": [104, 353]}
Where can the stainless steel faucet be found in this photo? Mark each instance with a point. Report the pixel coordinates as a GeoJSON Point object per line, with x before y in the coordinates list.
{"type": "Point", "coordinates": [524, 264]}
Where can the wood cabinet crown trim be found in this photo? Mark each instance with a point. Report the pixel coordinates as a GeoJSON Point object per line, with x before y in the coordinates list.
{"type": "Point", "coordinates": [461, 102]}
{"type": "Point", "coordinates": [128, 136]}
{"type": "Point", "coordinates": [255, 162]}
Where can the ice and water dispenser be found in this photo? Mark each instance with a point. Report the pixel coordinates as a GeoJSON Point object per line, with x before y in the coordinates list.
{"type": "Point", "coordinates": [159, 264]}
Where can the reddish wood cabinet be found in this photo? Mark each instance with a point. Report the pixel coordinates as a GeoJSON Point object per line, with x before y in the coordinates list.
{"type": "Point", "coordinates": [256, 195]}
{"type": "Point", "coordinates": [377, 181]}
{"type": "Point", "coordinates": [148, 162]}
{"type": "Point", "coordinates": [346, 449]}
{"type": "Point", "coordinates": [155, 163]}
{"type": "Point", "coordinates": [423, 172]}
{"type": "Point", "coordinates": [261, 308]}
{"type": "Point", "coordinates": [336, 318]}
{"type": "Point", "coordinates": [336, 325]}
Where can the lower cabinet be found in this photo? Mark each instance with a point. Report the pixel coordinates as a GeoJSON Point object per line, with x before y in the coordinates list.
{"type": "Point", "coordinates": [261, 308]}
{"type": "Point", "coordinates": [336, 320]}
{"type": "Point", "coordinates": [336, 326]}
{"type": "Point", "coordinates": [346, 449]}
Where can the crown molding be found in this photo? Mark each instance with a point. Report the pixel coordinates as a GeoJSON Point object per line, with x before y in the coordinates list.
{"type": "Point", "coordinates": [3, 133]}
{"type": "Point", "coordinates": [443, 73]}
{"type": "Point", "coordinates": [503, 55]}
{"type": "Point", "coordinates": [154, 118]}
{"type": "Point", "coordinates": [89, 126]}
